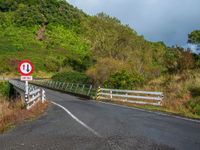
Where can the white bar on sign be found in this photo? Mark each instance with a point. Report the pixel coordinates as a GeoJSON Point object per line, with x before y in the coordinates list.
{"type": "Point", "coordinates": [26, 78]}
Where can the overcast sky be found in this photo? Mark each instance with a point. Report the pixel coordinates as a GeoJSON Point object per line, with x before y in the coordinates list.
{"type": "Point", "coordinates": [158, 20]}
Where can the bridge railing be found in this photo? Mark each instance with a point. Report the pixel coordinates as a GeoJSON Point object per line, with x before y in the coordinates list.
{"type": "Point", "coordinates": [130, 96]}
{"type": "Point", "coordinates": [77, 88]}
{"type": "Point", "coordinates": [35, 94]}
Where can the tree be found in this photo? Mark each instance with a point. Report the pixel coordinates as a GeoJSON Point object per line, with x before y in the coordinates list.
{"type": "Point", "coordinates": [194, 37]}
{"type": "Point", "coordinates": [124, 80]}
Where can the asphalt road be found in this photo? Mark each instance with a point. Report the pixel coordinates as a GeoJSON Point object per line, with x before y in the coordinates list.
{"type": "Point", "coordinates": [74, 124]}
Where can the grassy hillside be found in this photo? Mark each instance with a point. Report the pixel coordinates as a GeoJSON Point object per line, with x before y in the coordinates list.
{"type": "Point", "coordinates": [57, 33]}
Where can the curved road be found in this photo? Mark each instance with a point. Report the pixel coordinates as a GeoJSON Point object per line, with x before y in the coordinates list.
{"type": "Point", "coordinates": [74, 124]}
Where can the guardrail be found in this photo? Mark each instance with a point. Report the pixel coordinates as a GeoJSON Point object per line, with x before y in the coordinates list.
{"type": "Point", "coordinates": [76, 88]}
{"type": "Point", "coordinates": [35, 94]}
{"type": "Point", "coordinates": [137, 97]}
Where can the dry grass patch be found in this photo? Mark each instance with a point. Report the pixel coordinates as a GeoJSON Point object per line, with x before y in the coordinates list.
{"type": "Point", "coordinates": [15, 113]}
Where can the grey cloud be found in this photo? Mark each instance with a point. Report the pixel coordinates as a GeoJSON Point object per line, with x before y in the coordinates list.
{"type": "Point", "coordinates": [158, 20]}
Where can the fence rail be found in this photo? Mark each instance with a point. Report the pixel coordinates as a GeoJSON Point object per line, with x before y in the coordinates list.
{"type": "Point", "coordinates": [77, 88]}
{"type": "Point", "coordinates": [137, 97]}
{"type": "Point", "coordinates": [35, 94]}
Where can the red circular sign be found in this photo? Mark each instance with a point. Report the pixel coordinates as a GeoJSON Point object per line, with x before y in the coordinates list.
{"type": "Point", "coordinates": [25, 68]}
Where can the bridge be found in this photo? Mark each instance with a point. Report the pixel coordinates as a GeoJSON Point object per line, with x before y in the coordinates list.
{"type": "Point", "coordinates": [34, 95]}
{"type": "Point", "coordinates": [77, 123]}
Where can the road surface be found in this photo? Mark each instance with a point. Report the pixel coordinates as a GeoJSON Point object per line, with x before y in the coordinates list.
{"type": "Point", "coordinates": [74, 124]}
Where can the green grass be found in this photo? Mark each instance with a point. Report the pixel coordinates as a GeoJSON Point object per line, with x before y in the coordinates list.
{"type": "Point", "coordinates": [19, 43]}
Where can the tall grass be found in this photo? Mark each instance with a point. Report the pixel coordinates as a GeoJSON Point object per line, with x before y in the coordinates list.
{"type": "Point", "coordinates": [181, 91]}
{"type": "Point", "coordinates": [13, 111]}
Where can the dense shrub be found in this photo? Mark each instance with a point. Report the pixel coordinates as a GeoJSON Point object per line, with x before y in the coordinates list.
{"type": "Point", "coordinates": [72, 77]}
{"type": "Point", "coordinates": [194, 105]}
{"type": "Point", "coordinates": [104, 67]}
{"type": "Point", "coordinates": [124, 80]}
{"type": "Point", "coordinates": [4, 89]}
{"type": "Point", "coordinates": [79, 63]}
{"type": "Point", "coordinates": [52, 64]}
{"type": "Point", "coordinates": [177, 60]}
{"type": "Point", "coordinates": [171, 60]}
{"type": "Point", "coordinates": [197, 60]}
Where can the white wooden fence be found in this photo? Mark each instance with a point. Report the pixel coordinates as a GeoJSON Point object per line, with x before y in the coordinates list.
{"type": "Point", "coordinates": [35, 94]}
{"type": "Point", "coordinates": [137, 97]}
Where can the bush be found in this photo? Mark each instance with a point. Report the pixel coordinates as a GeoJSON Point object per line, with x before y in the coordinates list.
{"type": "Point", "coordinates": [72, 77]}
{"type": "Point", "coordinates": [171, 60]}
{"type": "Point", "coordinates": [79, 63]}
{"type": "Point", "coordinates": [124, 80]}
{"type": "Point", "coordinates": [4, 89]}
{"type": "Point", "coordinates": [52, 64]}
{"type": "Point", "coordinates": [194, 105]}
{"type": "Point", "coordinates": [177, 60]}
{"type": "Point", "coordinates": [104, 67]}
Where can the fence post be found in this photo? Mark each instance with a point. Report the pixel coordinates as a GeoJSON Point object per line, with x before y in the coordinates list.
{"type": "Point", "coordinates": [76, 88]}
{"type": "Point", "coordinates": [57, 84]}
{"type": "Point", "coordinates": [60, 86]}
{"type": "Point", "coordinates": [83, 88]}
{"type": "Point", "coordinates": [98, 93]}
{"type": "Point", "coordinates": [50, 84]}
{"type": "Point", "coordinates": [111, 96]}
{"type": "Point", "coordinates": [71, 86]}
{"type": "Point", "coordinates": [126, 97]}
{"type": "Point", "coordinates": [47, 83]}
{"type": "Point", "coordinates": [161, 102]}
{"type": "Point", "coordinates": [66, 86]}
{"type": "Point", "coordinates": [63, 86]}
{"type": "Point", "coordinates": [43, 96]}
{"type": "Point", "coordinates": [89, 90]}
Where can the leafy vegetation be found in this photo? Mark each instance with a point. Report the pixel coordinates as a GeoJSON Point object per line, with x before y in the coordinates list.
{"type": "Point", "coordinates": [194, 37]}
{"type": "Point", "coordinates": [123, 80]}
{"type": "Point", "coordinates": [4, 89]}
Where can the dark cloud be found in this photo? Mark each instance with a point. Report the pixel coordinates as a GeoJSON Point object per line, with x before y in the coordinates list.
{"type": "Point", "coordinates": [158, 20]}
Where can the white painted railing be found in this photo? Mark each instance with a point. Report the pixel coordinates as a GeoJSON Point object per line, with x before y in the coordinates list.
{"type": "Point", "coordinates": [137, 97]}
{"type": "Point", "coordinates": [35, 94]}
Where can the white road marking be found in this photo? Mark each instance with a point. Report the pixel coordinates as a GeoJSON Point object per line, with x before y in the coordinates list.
{"type": "Point", "coordinates": [76, 119]}
{"type": "Point", "coordinates": [116, 147]}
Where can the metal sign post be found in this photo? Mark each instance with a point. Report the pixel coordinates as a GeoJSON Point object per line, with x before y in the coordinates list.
{"type": "Point", "coordinates": [26, 91]}
{"type": "Point", "coordinates": [25, 68]}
